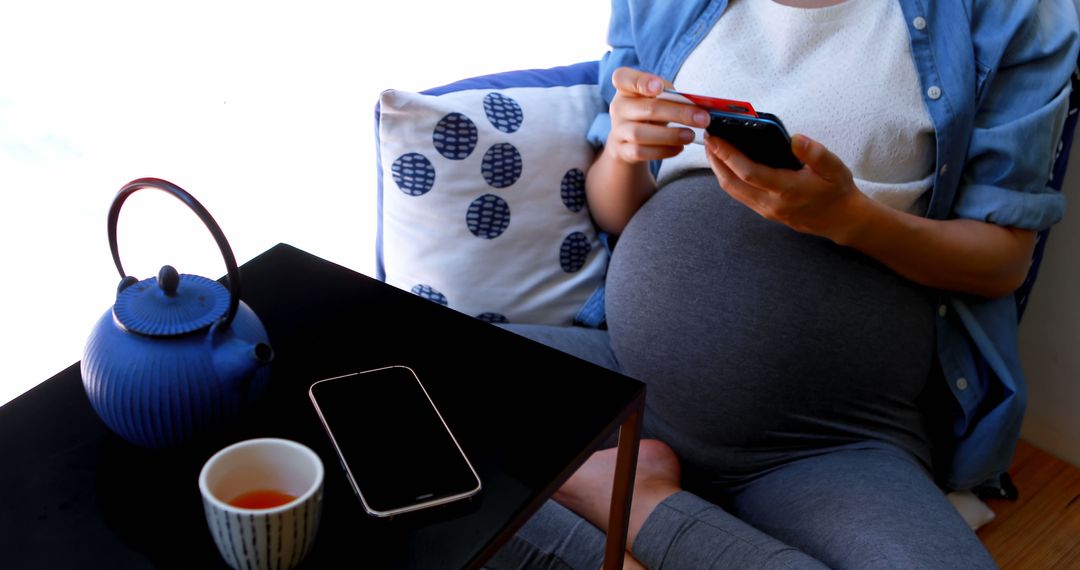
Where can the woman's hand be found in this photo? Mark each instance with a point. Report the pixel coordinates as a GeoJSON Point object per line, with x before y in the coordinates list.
{"type": "Point", "coordinates": [639, 121]}
{"type": "Point", "coordinates": [819, 199]}
{"type": "Point", "coordinates": [619, 181]}
{"type": "Point", "coordinates": [967, 256]}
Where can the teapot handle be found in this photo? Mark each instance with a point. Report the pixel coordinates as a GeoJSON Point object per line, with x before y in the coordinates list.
{"type": "Point", "coordinates": [181, 194]}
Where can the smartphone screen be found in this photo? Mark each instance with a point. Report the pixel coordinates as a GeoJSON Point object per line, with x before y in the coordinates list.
{"type": "Point", "coordinates": [397, 451]}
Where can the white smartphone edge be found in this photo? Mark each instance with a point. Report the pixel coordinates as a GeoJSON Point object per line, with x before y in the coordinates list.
{"type": "Point", "coordinates": [348, 471]}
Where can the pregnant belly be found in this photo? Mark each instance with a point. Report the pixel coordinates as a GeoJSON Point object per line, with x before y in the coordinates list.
{"type": "Point", "coordinates": [755, 340]}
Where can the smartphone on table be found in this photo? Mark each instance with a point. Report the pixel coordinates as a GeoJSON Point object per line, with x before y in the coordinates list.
{"type": "Point", "coordinates": [762, 137]}
{"type": "Point", "coordinates": [398, 453]}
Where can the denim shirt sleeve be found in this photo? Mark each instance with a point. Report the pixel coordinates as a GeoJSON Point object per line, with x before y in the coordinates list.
{"type": "Point", "coordinates": [622, 54]}
{"type": "Point", "coordinates": [1023, 96]}
{"type": "Point", "coordinates": [654, 36]}
{"type": "Point", "coordinates": [1025, 51]}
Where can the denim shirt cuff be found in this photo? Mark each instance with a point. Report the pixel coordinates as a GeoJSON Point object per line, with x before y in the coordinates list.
{"type": "Point", "coordinates": [598, 131]}
{"type": "Point", "coordinates": [1026, 210]}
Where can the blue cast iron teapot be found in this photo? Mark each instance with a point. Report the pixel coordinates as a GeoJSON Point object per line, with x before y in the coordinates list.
{"type": "Point", "coordinates": [178, 356]}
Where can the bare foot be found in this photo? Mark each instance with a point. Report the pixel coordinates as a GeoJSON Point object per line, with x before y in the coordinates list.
{"type": "Point", "coordinates": [631, 563]}
{"type": "Point", "coordinates": [588, 491]}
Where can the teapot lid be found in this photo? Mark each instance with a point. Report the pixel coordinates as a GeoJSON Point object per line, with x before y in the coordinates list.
{"type": "Point", "coordinates": [170, 304]}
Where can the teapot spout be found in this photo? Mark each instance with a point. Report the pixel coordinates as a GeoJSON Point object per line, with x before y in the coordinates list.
{"type": "Point", "coordinates": [263, 353]}
{"type": "Point", "coordinates": [237, 359]}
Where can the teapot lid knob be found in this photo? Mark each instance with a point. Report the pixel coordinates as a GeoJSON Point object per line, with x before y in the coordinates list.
{"type": "Point", "coordinates": [168, 279]}
{"type": "Point", "coordinates": [171, 304]}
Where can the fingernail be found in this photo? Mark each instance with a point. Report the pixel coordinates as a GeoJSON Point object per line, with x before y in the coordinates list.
{"type": "Point", "coordinates": [655, 86]}
{"type": "Point", "coordinates": [701, 118]}
{"type": "Point", "coordinates": [801, 143]}
{"type": "Point", "coordinates": [686, 135]}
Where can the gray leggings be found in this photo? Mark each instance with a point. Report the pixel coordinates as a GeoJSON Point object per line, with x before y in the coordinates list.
{"type": "Point", "coordinates": [860, 509]}
{"type": "Point", "coordinates": [786, 373]}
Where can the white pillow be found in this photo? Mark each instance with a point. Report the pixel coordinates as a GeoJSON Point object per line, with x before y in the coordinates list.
{"type": "Point", "coordinates": [482, 197]}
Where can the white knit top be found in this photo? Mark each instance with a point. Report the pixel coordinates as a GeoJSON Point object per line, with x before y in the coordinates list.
{"type": "Point", "coordinates": [842, 75]}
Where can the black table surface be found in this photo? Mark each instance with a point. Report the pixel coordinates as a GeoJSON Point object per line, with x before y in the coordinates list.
{"type": "Point", "coordinates": [75, 495]}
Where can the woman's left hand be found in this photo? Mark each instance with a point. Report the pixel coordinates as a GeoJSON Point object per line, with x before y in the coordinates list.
{"type": "Point", "coordinates": [819, 199]}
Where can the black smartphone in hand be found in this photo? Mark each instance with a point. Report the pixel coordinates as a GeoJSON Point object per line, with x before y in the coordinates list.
{"type": "Point", "coordinates": [762, 137]}
{"type": "Point", "coordinates": [398, 453]}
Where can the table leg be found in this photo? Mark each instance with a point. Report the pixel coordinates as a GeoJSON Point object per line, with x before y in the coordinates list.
{"type": "Point", "coordinates": [622, 491]}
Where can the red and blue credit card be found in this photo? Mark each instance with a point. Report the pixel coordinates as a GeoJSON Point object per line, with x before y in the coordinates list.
{"type": "Point", "coordinates": [711, 103]}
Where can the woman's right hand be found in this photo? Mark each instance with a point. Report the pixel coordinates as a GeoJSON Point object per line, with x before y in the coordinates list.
{"type": "Point", "coordinates": [620, 181]}
{"type": "Point", "coordinates": [640, 130]}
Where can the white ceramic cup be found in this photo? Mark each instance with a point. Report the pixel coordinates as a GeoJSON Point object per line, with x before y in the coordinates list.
{"type": "Point", "coordinates": [276, 537]}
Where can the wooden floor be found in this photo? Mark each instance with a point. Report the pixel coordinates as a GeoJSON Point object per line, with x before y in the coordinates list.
{"type": "Point", "coordinates": [1042, 529]}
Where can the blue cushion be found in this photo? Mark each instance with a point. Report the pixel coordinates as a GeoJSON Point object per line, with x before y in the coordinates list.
{"type": "Point", "coordinates": [481, 203]}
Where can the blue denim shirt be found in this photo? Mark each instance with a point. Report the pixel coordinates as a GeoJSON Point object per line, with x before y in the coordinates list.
{"type": "Point", "coordinates": [995, 79]}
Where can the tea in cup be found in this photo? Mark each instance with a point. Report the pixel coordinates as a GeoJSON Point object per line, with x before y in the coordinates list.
{"type": "Point", "coordinates": [263, 500]}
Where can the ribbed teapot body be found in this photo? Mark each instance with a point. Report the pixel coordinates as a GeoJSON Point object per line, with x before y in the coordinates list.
{"type": "Point", "coordinates": [161, 392]}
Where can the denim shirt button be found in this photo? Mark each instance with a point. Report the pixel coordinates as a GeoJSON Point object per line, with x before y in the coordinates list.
{"type": "Point", "coordinates": [934, 92]}
{"type": "Point", "coordinates": [944, 169]}
{"type": "Point", "coordinates": [942, 310]}
{"type": "Point", "coordinates": [919, 23]}
{"type": "Point", "coordinates": [961, 383]}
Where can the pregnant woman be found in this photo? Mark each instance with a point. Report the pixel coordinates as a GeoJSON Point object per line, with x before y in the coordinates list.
{"type": "Point", "coordinates": [811, 339]}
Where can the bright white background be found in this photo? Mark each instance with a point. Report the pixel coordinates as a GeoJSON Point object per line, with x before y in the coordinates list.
{"type": "Point", "coordinates": [262, 110]}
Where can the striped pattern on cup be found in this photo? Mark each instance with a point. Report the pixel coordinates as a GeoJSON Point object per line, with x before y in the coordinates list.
{"type": "Point", "coordinates": [277, 539]}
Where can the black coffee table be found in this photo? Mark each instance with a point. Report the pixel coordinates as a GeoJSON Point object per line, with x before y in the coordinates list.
{"type": "Point", "coordinates": [74, 495]}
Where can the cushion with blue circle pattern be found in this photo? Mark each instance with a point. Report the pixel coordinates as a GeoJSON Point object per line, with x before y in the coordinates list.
{"type": "Point", "coordinates": [482, 195]}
